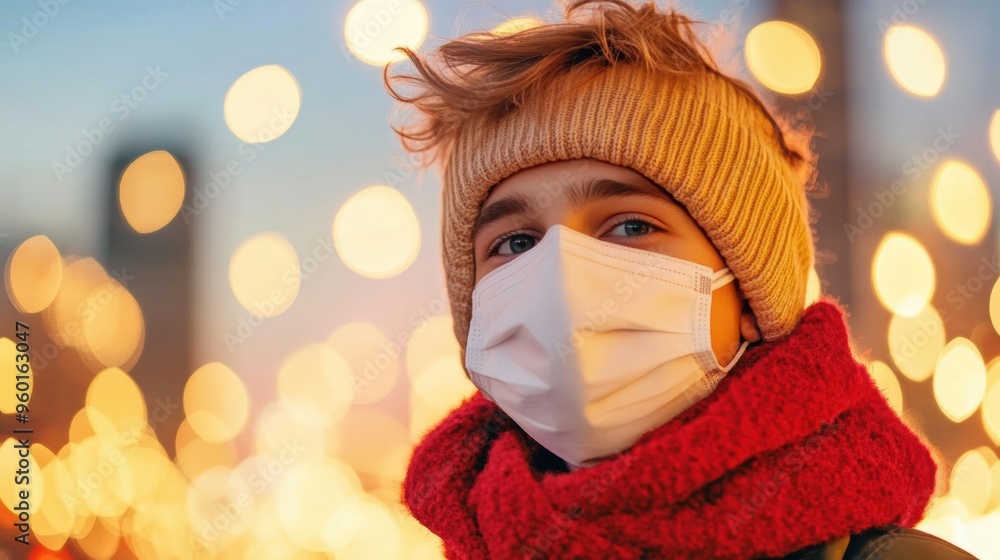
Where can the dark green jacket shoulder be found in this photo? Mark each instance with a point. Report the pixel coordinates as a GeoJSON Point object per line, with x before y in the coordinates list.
{"type": "Point", "coordinates": [890, 543]}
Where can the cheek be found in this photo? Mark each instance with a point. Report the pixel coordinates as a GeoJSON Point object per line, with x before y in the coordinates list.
{"type": "Point", "coordinates": [688, 245]}
{"type": "Point", "coordinates": [725, 322]}
{"type": "Point", "coordinates": [696, 246]}
{"type": "Point", "coordinates": [726, 309]}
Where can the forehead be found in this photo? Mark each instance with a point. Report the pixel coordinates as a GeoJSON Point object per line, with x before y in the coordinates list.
{"type": "Point", "coordinates": [528, 193]}
{"type": "Point", "coordinates": [564, 173]}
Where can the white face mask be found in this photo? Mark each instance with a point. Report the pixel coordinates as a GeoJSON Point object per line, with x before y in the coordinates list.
{"type": "Point", "coordinates": [588, 345]}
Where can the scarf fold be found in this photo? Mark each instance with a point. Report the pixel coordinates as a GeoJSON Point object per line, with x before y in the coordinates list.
{"type": "Point", "coordinates": [796, 446]}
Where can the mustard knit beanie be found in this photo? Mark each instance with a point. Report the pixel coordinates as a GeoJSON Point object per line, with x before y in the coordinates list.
{"type": "Point", "coordinates": [697, 136]}
{"type": "Point", "coordinates": [632, 87]}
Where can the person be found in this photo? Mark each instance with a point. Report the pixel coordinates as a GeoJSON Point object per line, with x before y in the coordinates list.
{"type": "Point", "coordinates": [627, 245]}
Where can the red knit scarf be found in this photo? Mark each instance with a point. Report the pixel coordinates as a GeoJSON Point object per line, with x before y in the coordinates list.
{"type": "Point", "coordinates": [795, 447]}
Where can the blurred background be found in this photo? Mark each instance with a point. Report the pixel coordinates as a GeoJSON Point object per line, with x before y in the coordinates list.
{"type": "Point", "coordinates": [226, 271]}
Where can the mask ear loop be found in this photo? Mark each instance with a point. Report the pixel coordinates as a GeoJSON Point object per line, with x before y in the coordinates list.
{"type": "Point", "coordinates": [720, 278]}
{"type": "Point", "coordinates": [736, 358]}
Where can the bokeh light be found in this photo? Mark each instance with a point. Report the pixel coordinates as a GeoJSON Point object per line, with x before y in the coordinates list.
{"type": "Point", "coordinates": [374, 359]}
{"type": "Point", "coordinates": [151, 191]}
{"type": "Point", "coordinates": [783, 57]}
{"type": "Point", "coordinates": [813, 287]}
{"type": "Point", "coordinates": [101, 542]}
{"type": "Point", "coordinates": [903, 274]}
{"type": "Point", "coordinates": [380, 462]}
{"type": "Point", "coordinates": [216, 402]}
{"type": "Point", "coordinates": [196, 455]}
{"type": "Point", "coordinates": [421, 544]}
{"type": "Point", "coordinates": [516, 25]}
{"type": "Point", "coordinates": [33, 274]}
{"type": "Point", "coordinates": [65, 317]}
{"type": "Point", "coordinates": [991, 404]}
{"type": "Point", "coordinates": [55, 520]}
{"type": "Point", "coordinates": [363, 528]}
{"type": "Point", "coordinates": [262, 104]}
{"type": "Point", "coordinates": [148, 463]}
{"type": "Point", "coordinates": [916, 342]}
{"type": "Point", "coordinates": [995, 306]}
{"type": "Point", "coordinates": [8, 397]}
{"type": "Point", "coordinates": [960, 202]}
{"type": "Point", "coordinates": [115, 406]}
{"type": "Point", "coordinates": [959, 379]}
{"type": "Point", "coordinates": [945, 519]}
{"type": "Point", "coordinates": [271, 540]}
{"type": "Point", "coordinates": [994, 485]}
{"type": "Point", "coordinates": [376, 232]}
{"type": "Point", "coordinates": [373, 28]}
{"type": "Point", "coordinates": [971, 480]}
{"type": "Point", "coordinates": [9, 490]}
{"type": "Point", "coordinates": [107, 492]}
{"type": "Point", "coordinates": [278, 432]}
{"type": "Point", "coordinates": [915, 60]}
{"type": "Point", "coordinates": [113, 327]}
{"type": "Point", "coordinates": [206, 498]}
{"type": "Point", "coordinates": [265, 274]}
{"type": "Point", "coordinates": [888, 383]}
{"type": "Point", "coordinates": [80, 427]}
{"type": "Point", "coordinates": [308, 495]}
{"type": "Point", "coordinates": [437, 377]}
{"type": "Point", "coordinates": [317, 385]}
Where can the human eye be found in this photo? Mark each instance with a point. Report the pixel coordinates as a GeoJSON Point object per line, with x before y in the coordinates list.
{"type": "Point", "coordinates": [630, 226]}
{"type": "Point", "coordinates": [511, 243]}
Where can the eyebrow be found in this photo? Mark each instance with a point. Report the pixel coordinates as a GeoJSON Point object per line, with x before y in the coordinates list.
{"type": "Point", "coordinates": [591, 190]}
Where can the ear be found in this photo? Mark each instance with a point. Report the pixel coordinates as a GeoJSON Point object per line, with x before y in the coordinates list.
{"type": "Point", "coordinates": [748, 324]}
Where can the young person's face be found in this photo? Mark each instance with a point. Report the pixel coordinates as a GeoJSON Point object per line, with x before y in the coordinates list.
{"type": "Point", "coordinates": [612, 203]}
